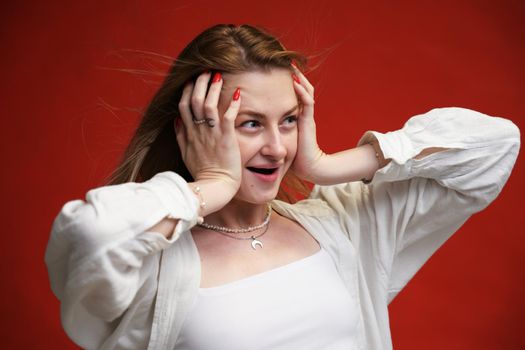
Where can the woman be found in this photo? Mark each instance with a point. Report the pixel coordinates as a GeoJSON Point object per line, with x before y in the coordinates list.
{"type": "Point", "coordinates": [197, 254]}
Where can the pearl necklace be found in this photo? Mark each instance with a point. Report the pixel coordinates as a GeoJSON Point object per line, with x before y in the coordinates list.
{"type": "Point", "coordinates": [255, 242]}
{"type": "Point", "coordinates": [240, 230]}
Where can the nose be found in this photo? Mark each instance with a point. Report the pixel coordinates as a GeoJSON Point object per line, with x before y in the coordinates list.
{"type": "Point", "coordinates": [274, 146]}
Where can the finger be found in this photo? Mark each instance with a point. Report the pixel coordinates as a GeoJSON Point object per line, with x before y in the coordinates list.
{"type": "Point", "coordinates": [199, 95]}
{"type": "Point", "coordinates": [304, 95]}
{"type": "Point", "coordinates": [306, 100]}
{"type": "Point", "coordinates": [180, 134]}
{"type": "Point", "coordinates": [228, 119]}
{"type": "Point", "coordinates": [309, 87]}
{"type": "Point", "coordinates": [212, 99]}
{"type": "Point", "coordinates": [184, 104]}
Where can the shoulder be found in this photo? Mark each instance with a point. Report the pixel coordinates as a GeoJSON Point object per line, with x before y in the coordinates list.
{"type": "Point", "coordinates": [327, 202]}
{"type": "Point", "coordinates": [306, 207]}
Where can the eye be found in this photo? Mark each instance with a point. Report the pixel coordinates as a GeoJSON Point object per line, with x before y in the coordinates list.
{"type": "Point", "coordinates": [250, 124]}
{"type": "Point", "coordinates": [290, 121]}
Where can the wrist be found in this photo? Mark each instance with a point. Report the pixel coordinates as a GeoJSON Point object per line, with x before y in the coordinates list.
{"type": "Point", "coordinates": [319, 171]}
{"type": "Point", "coordinates": [212, 194]}
{"type": "Point", "coordinates": [378, 153]}
{"type": "Point", "coordinates": [313, 169]}
{"type": "Point", "coordinates": [350, 165]}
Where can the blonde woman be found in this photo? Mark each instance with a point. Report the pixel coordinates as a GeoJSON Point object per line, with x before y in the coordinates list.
{"type": "Point", "coordinates": [197, 242]}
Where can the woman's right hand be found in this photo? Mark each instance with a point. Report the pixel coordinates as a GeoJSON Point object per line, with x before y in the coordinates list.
{"type": "Point", "coordinates": [209, 153]}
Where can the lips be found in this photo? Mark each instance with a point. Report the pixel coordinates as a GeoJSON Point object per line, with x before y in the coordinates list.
{"type": "Point", "coordinates": [265, 173]}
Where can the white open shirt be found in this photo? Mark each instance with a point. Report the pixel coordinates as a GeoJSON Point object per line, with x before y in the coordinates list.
{"type": "Point", "coordinates": [123, 288]}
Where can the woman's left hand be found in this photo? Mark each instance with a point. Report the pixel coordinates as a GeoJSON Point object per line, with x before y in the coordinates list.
{"type": "Point", "coordinates": [307, 163]}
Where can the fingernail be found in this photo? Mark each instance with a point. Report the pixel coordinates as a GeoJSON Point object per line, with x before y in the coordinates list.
{"type": "Point", "coordinates": [296, 79]}
{"type": "Point", "coordinates": [293, 64]}
{"type": "Point", "coordinates": [178, 122]}
{"type": "Point", "coordinates": [237, 94]}
{"type": "Point", "coordinates": [206, 71]}
{"type": "Point", "coordinates": [217, 77]}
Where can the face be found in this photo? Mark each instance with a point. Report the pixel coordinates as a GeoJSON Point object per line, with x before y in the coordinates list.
{"type": "Point", "coordinates": [266, 128]}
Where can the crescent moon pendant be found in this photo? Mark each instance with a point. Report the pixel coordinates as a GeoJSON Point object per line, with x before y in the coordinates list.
{"type": "Point", "coordinates": [255, 243]}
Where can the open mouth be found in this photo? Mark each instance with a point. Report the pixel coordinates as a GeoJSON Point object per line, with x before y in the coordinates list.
{"type": "Point", "coordinates": [262, 170]}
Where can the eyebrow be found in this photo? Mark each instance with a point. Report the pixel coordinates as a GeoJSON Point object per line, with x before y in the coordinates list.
{"type": "Point", "coordinates": [261, 115]}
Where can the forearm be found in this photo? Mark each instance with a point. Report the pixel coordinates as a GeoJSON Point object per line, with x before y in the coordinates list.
{"type": "Point", "coordinates": [346, 166]}
{"type": "Point", "coordinates": [357, 164]}
{"type": "Point", "coordinates": [96, 252]}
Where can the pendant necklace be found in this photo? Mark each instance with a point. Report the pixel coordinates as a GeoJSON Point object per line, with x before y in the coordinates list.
{"type": "Point", "coordinates": [255, 242]}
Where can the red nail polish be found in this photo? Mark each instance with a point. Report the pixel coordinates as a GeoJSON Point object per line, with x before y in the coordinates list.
{"type": "Point", "coordinates": [296, 79]}
{"type": "Point", "coordinates": [178, 122]}
{"type": "Point", "coordinates": [237, 94]}
{"type": "Point", "coordinates": [217, 77]}
{"type": "Point", "coordinates": [206, 71]}
{"type": "Point", "coordinates": [294, 65]}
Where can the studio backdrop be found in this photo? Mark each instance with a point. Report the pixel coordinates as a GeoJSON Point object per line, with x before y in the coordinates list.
{"type": "Point", "coordinates": [76, 76]}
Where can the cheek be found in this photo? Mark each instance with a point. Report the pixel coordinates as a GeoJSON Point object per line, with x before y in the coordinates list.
{"type": "Point", "coordinates": [247, 148]}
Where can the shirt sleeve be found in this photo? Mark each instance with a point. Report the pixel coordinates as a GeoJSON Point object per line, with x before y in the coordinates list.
{"type": "Point", "coordinates": [98, 246]}
{"type": "Point", "coordinates": [412, 206]}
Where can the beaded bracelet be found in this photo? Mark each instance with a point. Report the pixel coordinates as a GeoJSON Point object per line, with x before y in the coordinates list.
{"type": "Point", "coordinates": [381, 161]}
{"type": "Point", "coordinates": [197, 190]}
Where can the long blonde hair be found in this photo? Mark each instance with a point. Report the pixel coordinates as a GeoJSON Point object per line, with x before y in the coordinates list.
{"type": "Point", "coordinates": [226, 48]}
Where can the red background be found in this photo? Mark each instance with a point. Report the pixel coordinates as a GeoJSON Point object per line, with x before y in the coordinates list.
{"type": "Point", "coordinates": [75, 77]}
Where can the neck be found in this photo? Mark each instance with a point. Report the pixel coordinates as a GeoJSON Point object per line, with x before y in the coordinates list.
{"type": "Point", "coordinates": [238, 214]}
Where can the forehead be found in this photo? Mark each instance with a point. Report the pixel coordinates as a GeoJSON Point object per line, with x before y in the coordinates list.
{"type": "Point", "coordinates": [264, 91]}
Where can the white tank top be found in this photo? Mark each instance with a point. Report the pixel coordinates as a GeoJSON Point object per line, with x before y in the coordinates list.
{"type": "Point", "coordinates": [302, 305]}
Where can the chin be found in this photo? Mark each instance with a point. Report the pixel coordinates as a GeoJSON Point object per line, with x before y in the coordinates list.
{"type": "Point", "coordinates": [257, 189]}
{"type": "Point", "coordinates": [257, 197]}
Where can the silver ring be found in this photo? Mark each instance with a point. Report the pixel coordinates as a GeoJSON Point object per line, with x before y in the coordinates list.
{"type": "Point", "coordinates": [209, 121]}
{"type": "Point", "coordinates": [198, 121]}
